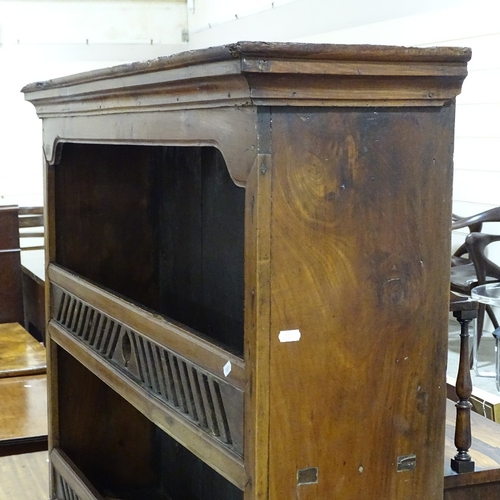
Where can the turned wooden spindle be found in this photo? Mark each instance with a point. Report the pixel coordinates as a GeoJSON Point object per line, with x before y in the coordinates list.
{"type": "Point", "coordinates": [464, 310]}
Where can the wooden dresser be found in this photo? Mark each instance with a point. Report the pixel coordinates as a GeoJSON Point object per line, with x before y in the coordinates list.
{"type": "Point", "coordinates": [248, 257]}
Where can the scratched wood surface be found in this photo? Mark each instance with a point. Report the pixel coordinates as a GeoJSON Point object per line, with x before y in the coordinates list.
{"type": "Point", "coordinates": [361, 270]}
{"type": "Point", "coordinates": [20, 353]}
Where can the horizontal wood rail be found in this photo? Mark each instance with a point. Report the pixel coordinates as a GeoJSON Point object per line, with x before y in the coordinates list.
{"type": "Point", "coordinates": [187, 343]}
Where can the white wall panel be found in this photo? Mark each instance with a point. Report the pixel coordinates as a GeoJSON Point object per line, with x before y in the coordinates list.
{"type": "Point", "coordinates": [98, 22]}
{"type": "Point", "coordinates": [305, 20]}
{"type": "Point", "coordinates": [43, 40]}
{"type": "Point", "coordinates": [477, 153]}
{"type": "Point", "coordinates": [478, 120]}
{"type": "Point", "coordinates": [477, 186]}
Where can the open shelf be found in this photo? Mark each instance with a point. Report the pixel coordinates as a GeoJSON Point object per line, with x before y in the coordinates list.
{"type": "Point", "coordinates": [172, 241]}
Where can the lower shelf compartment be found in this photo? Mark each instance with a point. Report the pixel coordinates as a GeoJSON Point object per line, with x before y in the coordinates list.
{"type": "Point", "coordinates": [108, 450]}
{"type": "Point", "coordinates": [71, 484]}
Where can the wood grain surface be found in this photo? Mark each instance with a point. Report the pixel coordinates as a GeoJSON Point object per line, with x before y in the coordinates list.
{"type": "Point", "coordinates": [23, 408]}
{"type": "Point", "coordinates": [357, 268]}
{"type": "Point", "coordinates": [25, 476]}
{"type": "Point", "coordinates": [20, 353]}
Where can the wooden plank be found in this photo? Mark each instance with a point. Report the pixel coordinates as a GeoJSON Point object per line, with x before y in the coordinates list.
{"type": "Point", "coordinates": [20, 353]}
{"type": "Point", "coordinates": [24, 476]}
{"type": "Point", "coordinates": [23, 409]}
{"type": "Point", "coordinates": [189, 345]}
{"type": "Point", "coordinates": [257, 320]}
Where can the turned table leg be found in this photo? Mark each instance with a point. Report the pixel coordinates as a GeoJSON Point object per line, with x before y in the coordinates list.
{"type": "Point", "coordinates": [462, 461]}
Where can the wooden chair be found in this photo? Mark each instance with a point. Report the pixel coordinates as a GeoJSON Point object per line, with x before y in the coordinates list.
{"type": "Point", "coordinates": [31, 233]}
{"type": "Point", "coordinates": [475, 224]}
{"type": "Point", "coordinates": [31, 229]}
{"type": "Point", "coordinates": [11, 291]}
{"type": "Point", "coordinates": [470, 265]}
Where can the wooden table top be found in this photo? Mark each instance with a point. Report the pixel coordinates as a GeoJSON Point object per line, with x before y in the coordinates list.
{"type": "Point", "coordinates": [20, 353]}
{"type": "Point", "coordinates": [23, 409]}
{"type": "Point", "coordinates": [24, 476]}
{"type": "Point", "coordinates": [33, 263]}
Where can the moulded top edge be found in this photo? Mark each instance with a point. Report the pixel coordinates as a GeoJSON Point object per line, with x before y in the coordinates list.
{"type": "Point", "coordinates": [280, 50]}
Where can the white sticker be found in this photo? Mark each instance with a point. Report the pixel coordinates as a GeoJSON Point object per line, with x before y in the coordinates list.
{"type": "Point", "coordinates": [227, 368]}
{"type": "Point", "coordinates": [289, 336]}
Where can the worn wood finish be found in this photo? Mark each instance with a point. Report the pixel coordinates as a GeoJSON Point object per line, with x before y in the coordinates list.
{"type": "Point", "coordinates": [387, 76]}
{"type": "Point", "coordinates": [20, 353]}
{"type": "Point", "coordinates": [25, 476]}
{"type": "Point", "coordinates": [23, 413]}
{"type": "Point", "coordinates": [343, 152]}
{"type": "Point", "coordinates": [339, 274]}
{"type": "Point", "coordinates": [11, 291]}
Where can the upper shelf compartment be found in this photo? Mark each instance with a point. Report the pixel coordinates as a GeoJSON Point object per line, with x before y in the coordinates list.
{"type": "Point", "coordinates": [172, 240]}
{"type": "Point", "coordinates": [211, 95]}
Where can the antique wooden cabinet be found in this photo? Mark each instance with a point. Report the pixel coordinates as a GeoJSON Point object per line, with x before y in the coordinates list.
{"type": "Point", "coordinates": [248, 263]}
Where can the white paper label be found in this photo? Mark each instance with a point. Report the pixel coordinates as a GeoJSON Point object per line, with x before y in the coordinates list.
{"type": "Point", "coordinates": [227, 368]}
{"type": "Point", "coordinates": [289, 336]}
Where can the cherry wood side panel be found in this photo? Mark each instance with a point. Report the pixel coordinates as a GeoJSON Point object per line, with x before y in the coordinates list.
{"type": "Point", "coordinates": [360, 266]}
